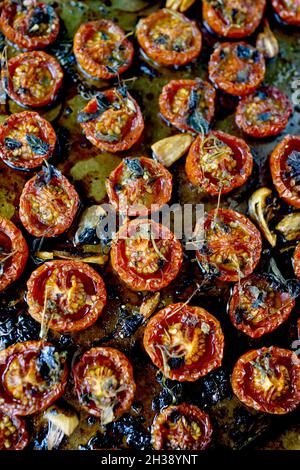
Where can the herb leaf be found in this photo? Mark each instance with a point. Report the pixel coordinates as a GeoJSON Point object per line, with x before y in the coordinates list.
{"type": "Point", "coordinates": [135, 166]}
{"type": "Point", "coordinates": [103, 104]}
{"type": "Point", "coordinates": [37, 145]}
{"type": "Point", "coordinates": [12, 144]}
{"type": "Point", "coordinates": [45, 175]}
{"type": "Point", "coordinates": [293, 161]}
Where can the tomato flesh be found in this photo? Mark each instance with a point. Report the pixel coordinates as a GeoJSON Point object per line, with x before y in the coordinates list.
{"type": "Point", "coordinates": [288, 11]}
{"type": "Point", "coordinates": [13, 434]}
{"type": "Point", "coordinates": [296, 261]}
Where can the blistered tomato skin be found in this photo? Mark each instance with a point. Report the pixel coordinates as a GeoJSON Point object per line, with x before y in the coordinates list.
{"type": "Point", "coordinates": [218, 163]}
{"type": "Point", "coordinates": [268, 380]}
{"type": "Point", "coordinates": [264, 113]}
{"type": "Point", "coordinates": [66, 295]}
{"type": "Point", "coordinates": [184, 342]}
{"type": "Point", "coordinates": [33, 375]}
{"type": "Point", "coordinates": [169, 38]}
{"type": "Point", "coordinates": [102, 49]}
{"type": "Point", "coordinates": [237, 68]}
{"type": "Point", "coordinates": [13, 433]}
{"type": "Point", "coordinates": [29, 27]}
{"type": "Point", "coordinates": [296, 261]}
{"type": "Point", "coordinates": [285, 169]}
{"type": "Point", "coordinates": [146, 255]}
{"type": "Point", "coordinates": [288, 11]}
{"type": "Point", "coordinates": [182, 427]}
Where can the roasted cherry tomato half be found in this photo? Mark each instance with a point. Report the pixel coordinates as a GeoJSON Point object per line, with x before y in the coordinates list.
{"type": "Point", "coordinates": [182, 427]}
{"type": "Point", "coordinates": [65, 295]}
{"type": "Point", "coordinates": [232, 245]}
{"type": "Point", "coordinates": [233, 18]}
{"type": "Point", "coordinates": [218, 163]}
{"type": "Point", "coordinates": [146, 255]}
{"type": "Point", "coordinates": [187, 103]}
{"type": "Point", "coordinates": [268, 380]}
{"type": "Point", "coordinates": [33, 375]}
{"type": "Point", "coordinates": [112, 120]}
{"type": "Point", "coordinates": [13, 434]}
{"type": "Point", "coordinates": [13, 253]}
{"type": "Point", "coordinates": [138, 186]}
{"type": "Point", "coordinates": [26, 140]}
{"type": "Point", "coordinates": [48, 203]}
{"type": "Point", "coordinates": [285, 169]}
{"type": "Point", "coordinates": [30, 27]}
{"type": "Point", "coordinates": [288, 11]}
{"type": "Point", "coordinates": [32, 79]}
{"type": "Point", "coordinates": [237, 68]}
{"type": "Point", "coordinates": [296, 261]}
{"type": "Point", "coordinates": [184, 342]}
{"type": "Point", "coordinates": [169, 38]}
{"type": "Point", "coordinates": [259, 304]}
{"type": "Point", "coordinates": [102, 49]}
{"type": "Point", "coordinates": [264, 113]}
{"type": "Point", "coordinates": [104, 383]}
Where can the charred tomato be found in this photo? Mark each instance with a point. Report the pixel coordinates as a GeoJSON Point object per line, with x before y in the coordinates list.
{"type": "Point", "coordinates": [184, 342]}
{"type": "Point", "coordinates": [33, 375]}
{"type": "Point", "coordinates": [13, 434]}
{"type": "Point", "coordinates": [288, 11]}
{"type": "Point", "coordinates": [218, 163]}
{"type": "Point", "coordinates": [138, 186]}
{"type": "Point", "coordinates": [296, 261]}
{"type": "Point", "coordinates": [26, 140]}
{"type": "Point", "coordinates": [65, 295]}
{"type": "Point", "coordinates": [104, 383]}
{"type": "Point", "coordinates": [146, 255]}
{"type": "Point", "coordinates": [268, 380]}
{"type": "Point", "coordinates": [169, 38]}
{"type": "Point", "coordinates": [237, 68]}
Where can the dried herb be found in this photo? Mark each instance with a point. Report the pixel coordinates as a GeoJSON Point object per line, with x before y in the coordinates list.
{"type": "Point", "coordinates": [265, 116]}
{"type": "Point", "coordinates": [45, 175]}
{"type": "Point", "coordinates": [12, 144]}
{"type": "Point", "coordinates": [135, 166]}
{"type": "Point", "coordinates": [37, 145]}
{"type": "Point", "coordinates": [196, 119]}
{"type": "Point", "coordinates": [293, 162]}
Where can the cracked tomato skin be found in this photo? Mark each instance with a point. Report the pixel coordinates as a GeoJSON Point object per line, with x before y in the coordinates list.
{"type": "Point", "coordinates": [94, 368]}
{"type": "Point", "coordinates": [192, 339]}
{"type": "Point", "coordinates": [115, 129]}
{"type": "Point", "coordinates": [11, 241]}
{"type": "Point", "coordinates": [182, 427]}
{"type": "Point", "coordinates": [247, 17]}
{"type": "Point", "coordinates": [102, 50]}
{"type": "Point", "coordinates": [23, 388]}
{"type": "Point", "coordinates": [15, 150]}
{"type": "Point", "coordinates": [74, 295]}
{"type": "Point", "coordinates": [169, 38]}
{"type": "Point", "coordinates": [284, 169]}
{"type": "Point", "coordinates": [273, 310]}
{"type": "Point", "coordinates": [268, 380]}
{"type": "Point", "coordinates": [296, 261]}
{"type": "Point", "coordinates": [264, 113]}
{"type": "Point", "coordinates": [288, 11]}
{"type": "Point", "coordinates": [232, 245]}
{"type": "Point", "coordinates": [139, 186]}
{"type": "Point", "coordinates": [223, 173]}
{"type": "Point", "coordinates": [175, 101]}
{"type": "Point", "coordinates": [33, 79]}
{"type": "Point", "coordinates": [237, 68]}
{"type": "Point", "coordinates": [13, 433]}
{"type": "Point", "coordinates": [139, 263]}
{"type": "Point", "coordinates": [29, 27]}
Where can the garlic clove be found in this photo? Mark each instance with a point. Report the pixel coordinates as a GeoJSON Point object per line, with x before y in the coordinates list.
{"type": "Point", "coordinates": [167, 151]}
{"type": "Point", "coordinates": [267, 42]}
{"type": "Point", "coordinates": [257, 210]}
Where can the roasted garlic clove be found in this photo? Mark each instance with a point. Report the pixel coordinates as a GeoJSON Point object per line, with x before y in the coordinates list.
{"type": "Point", "coordinates": [149, 305]}
{"type": "Point", "coordinates": [179, 5]}
{"type": "Point", "coordinates": [267, 43]}
{"type": "Point", "coordinates": [61, 422]}
{"type": "Point", "coordinates": [260, 212]}
{"type": "Point", "coordinates": [167, 151]}
{"type": "Point", "coordinates": [289, 226]}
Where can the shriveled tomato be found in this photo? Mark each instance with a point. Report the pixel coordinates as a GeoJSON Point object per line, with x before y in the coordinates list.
{"type": "Point", "coordinates": [232, 245]}
{"type": "Point", "coordinates": [259, 304]}
{"type": "Point", "coordinates": [13, 253]}
{"type": "Point", "coordinates": [65, 295]}
{"type": "Point", "coordinates": [268, 380]}
{"type": "Point", "coordinates": [187, 103]}
{"type": "Point", "coordinates": [32, 79]}
{"type": "Point", "coordinates": [182, 427]}
{"type": "Point", "coordinates": [31, 26]}
{"type": "Point", "coordinates": [184, 342]}
{"type": "Point", "coordinates": [139, 186]}
{"type": "Point", "coordinates": [48, 203]}
{"type": "Point", "coordinates": [218, 163]}
{"type": "Point", "coordinates": [264, 113]}
{"type": "Point", "coordinates": [102, 49]}
{"type": "Point", "coordinates": [237, 68]}
{"type": "Point", "coordinates": [13, 434]}
{"type": "Point", "coordinates": [146, 255]}
{"type": "Point", "coordinates": [104, 383]}
{"type": "Point", "coordinates": [285, 169]}
{"type": "Point", "coordinates": [33, 375]}
{"type": "Point", "coordinates": [233, 18]}
{"type": "Point", "coordinates": [296, 261]}
{"type": "Point", "coordinates": [26, 140]}
{"type": "Point", "coordinates": [112, 120]}
{"type": "Point", "coordinates": [169, 38]}
{"type": "Point", "coordinates": [288, 11]}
